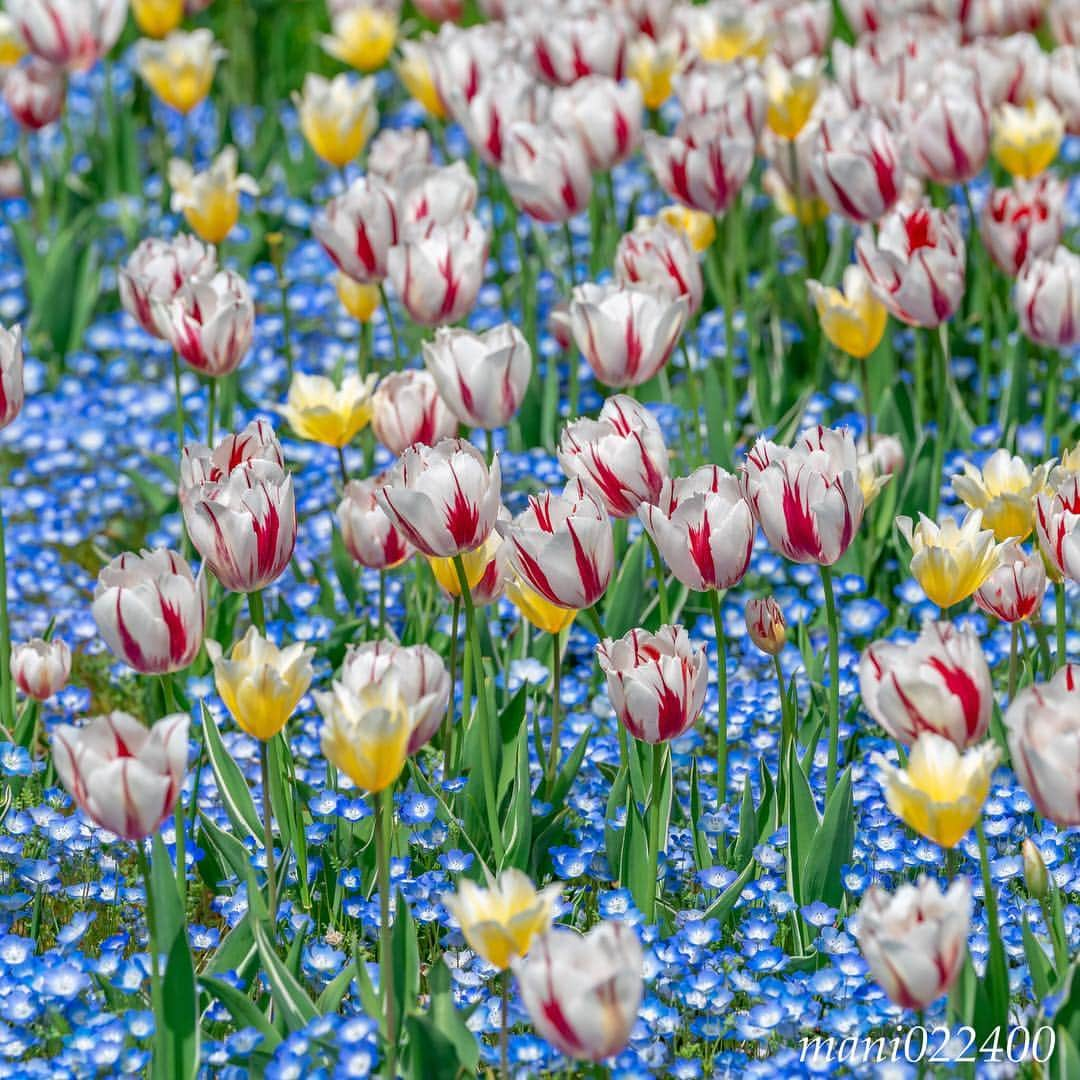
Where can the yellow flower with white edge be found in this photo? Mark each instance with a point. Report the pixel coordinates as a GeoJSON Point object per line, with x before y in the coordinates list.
{"type": "Point", "coordinates": [1004, 490]}
{"type": "Point", "coordinates": [363, 36]}
{"type": "Point", "coordinates": [737, 31]}
{"type": "Point", "coordinates": [360, 299]}
{"type": "Point", "coordinates": [1027, 137]}
{"type": "Point", "coordinates": [502, 921]}
{"type": "Point", "coordinates": [414, 69]}
{"type": "Point", "coordinates": [950, 561]}
{"type": "Point", "coordinates": [179, 69]}
{"type": "Point", "coordinates": [852, 317]}
{"type": "Point", "coordinates": [324, 413]}
{"type": "Point", "coordinates": [156, 18]}
{"type": "Point", "coordinates": [259, 683]}
{"type": "Point", "coordinates": [791, 93]}
{"type": "Point", "coordinates": [1067, 468]}
{"type": "Point", "coordinates": [699, 227]}
{"type": "Point", "coordinates": [366, 734]}
{"type": "Point", "coordinates": [541, 612]}
{"type": "Point", "coordinates": [210, 200]}
{"type": "Point", "coordinates": [652, 65]}
{"type": "Point", "coordinates": [941, 792]}
{"type": "Point", "coordinates": [12, 46]}
{"type": "Point", "coordinates": [337, 116]}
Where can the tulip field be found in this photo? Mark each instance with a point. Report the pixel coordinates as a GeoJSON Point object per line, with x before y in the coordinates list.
{"type": "Point", "coordinates": [539, 539]}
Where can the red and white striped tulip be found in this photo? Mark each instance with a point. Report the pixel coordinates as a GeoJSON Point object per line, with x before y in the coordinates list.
{"type": "Point", "coordinates": [1048, 299]}
{"type": "Point", "coordinates": [1063, 84]}
{"type": "Point", "coordinates": [574, 45]}
{"type": "Point", "coordinates": [546, 172]}
{"type": "Point", "coordinates": [801, 29]}
{"type": "Point", "coordinates": [1023, 222]}
{"type": "Point", "coordinates": [736, 90]}
{"type": "Point", "coordinates": [765, 624]}
{"type": "Point", "coordinates": [434, 193]}
{"type": "Point", "coordinates": [496, 105]}
{"type": "Point", "coordinates": [41, 668]}
{"type": "Point", "coordinates": [661, 257]}
{"type": "Point", "coordinates": [370, 537]}
{"type": "Point", "coordinates": [1064, 19]}
{"type": "Point", "coordinates": [948, 127]}
{"type": "Point", "coordinates": [157, 271]}
{"type": "Point", "coordinates": [358, 229]}
{"type": "Point", "coordinates": [394, 151]}
{"type": "Point", "coordinates": [1015, 590]}
{"type": "Point", "coordinates": [35, 92]}
{"type": "Point", "coordinates": [201, 465]}
{"type": "Point", "coordinates": [1057, 524]}
{"type": "Point", "coordinates": [603, 116]}
{"type": "Point", "coordinates": [74, 34]}
{"type": "Point", "coordinates": [407, 409]}
{"type": "Point", "coordinates": [12, 390]}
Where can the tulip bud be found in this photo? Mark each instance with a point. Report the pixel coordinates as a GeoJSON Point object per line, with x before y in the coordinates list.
{"type": "Point", "coordinates": [576, 45]}
{"type": "Point", "coordinates": [879, 465]}
{"type": "Point", "coordinates": [735, 90]}
{"type": "Point", "coordinates": [489, 113]}
{"type": "Point", "coordinates": [853, 319]}
{"type": "Point", "coordinates": [791, 94]}
{"type": "Point", "coordinates": [12, 391]}
{"type": "Point", "coordinates": [1023, 222]}
{"type": "Point", "coordinates": [857, 169]}
{"type": "Point", "coordinates": [407, 410]}
{"type": "Point", "coordinates": [395, 150]}
{"type": "Point", "coordinates": [156, 273]}
{"type": "Point", "coordinates": [439, 194]}
{"type": "Point", "coordinates": [41, 668]}
{"type": "Point", "coordinates": [324, 413]}
{"type": "Point", "coordinates": [603, 116]}
{"type": "Point", "coordinates": [358, 228]}
{"type": "Point", "coordinates": [1026, 138]}
{"type": "Point", "coordinates": [369, 535]}
{"type": "Point", "coordinates": [485, 568]}
{"type": "Point", "coordinates": [1036, 878]}
{"type": "Point", "coordinates": [950, 561]}
{"type": "Point", "coordinates": [360, 299]}
{"type": "Point", "coordinates": [545, 172]}
{"type": "Point", "coordinates": [35, 92]}
{"type": "Point", "coordinates": [210, 200]}
{"type": "Point", "coordinates": [802, 30]}
{"type": "Point", "coordinates": [1048, 299]}
{"type": "Point", "coordinates": [74, 34]}
{"type": "Point", "coordinates": [765, 624]}
{"type": "Point", "coordinates": [337, 116]}
{"type": "Point", "coordinates": [156, 18]}
{"type": "Point", "coordinates": [363, 35]}
{"type": "Point", "coordinates": [948, 128]}
{"type": "Point", "coordinates": [662, 258]}
{"type": "Point", "coordinates": [652, 65]}
{"type": "Point", "coordinates": [180, 71]}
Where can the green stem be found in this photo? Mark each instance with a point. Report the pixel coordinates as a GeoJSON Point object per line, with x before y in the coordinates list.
{"type": "Point", "coordinates": [787, 728]}
{"type": "Point", "coordinates": [211, 411]}
{"type": "Point", "coordinates": [731, 400]}
{"type": "Point", "coordinates": [1050, 907]}
{"type": "Point", "coordinates": [868, 411]}
{"type": "Point", "coordinates": [504, 1028]}
{"type": "Point", "coordinates": [721, 694]}
{"type": "Point", "coordinates": [657, 841]}
{"type": "Point", "coordinates": [151, 930]}
{"type": "Point", "coordinates": [834, 678]}
{"type": "Point", "coordinates": [384, 815]}
{"type": "Point", "coordinates": [398, 360]}
{"type": "Point", "coordinates": [7, 683]}
{"type": "Point", "coordinates": [179, 403]}
{"type": "Point", "coordinates": [256, 611]}
{"type": "Point", "coordinates": [1053, 365]}
{"type": "Point", "coordinates": [268, 830]}
{"type": "Point", "coordinates": [168, 693]}
{"type": "Point", "coordinates": [997, 971]}
{"type": "Point", "coordinates": [448, 721]}
{"type": "Point", "coordinates": [1014, 640]}
{"type": "Point", "coordinates": [382, 603]}
{"type": "Point", "coordinates": [1062, 657]}
{"type": "Point", "coordinates": [661, 580]}
{"type": "Point", "coordinates": [556, 716]}
{"type": "Point", "coordinates": [941, 404]}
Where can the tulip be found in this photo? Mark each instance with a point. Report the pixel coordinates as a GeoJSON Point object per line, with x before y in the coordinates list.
{"type": "Point", "coordinates": [358, 229]}
{"type": "Point", "coordinates": [1063, 84]}
{"type": "Point", "coordinates": [433, 193]}
{"type": "Point", "coordinates": [1012, 70]}
{"type": "Point", "coordinates": [12, 46]}
{"type": "Point", "coordinates": [621, 454]}
{"type": "Point", "coordinates": [157, 18]}
{"type": "Point", "coordinates": [1023, 222]}
{"type": "Point", "coordinates": [481, 377]}
{"type": "Point", "coordinates": [324, 413]}
{"type": "Point", "coordinates": [916, 265]}
{"type": "Point", "coordinates": [576, 45]}
{"type": "Point", "coordinates": [1043, 728]}
{"type": "Point", "coordinates": [1047, 299]}
{"type": "Point", "coordinates": [460, 59]}
{"type": "Point", "coordinates": [852, 318]}
{"type": "Point", "coordinates": [626, 333]}
{"type": "Point", "coordinates": [156, 273]}
{"type": "Point", "coordinates": [260, 684]}
{"type": "Point", "coordinates": [697, 225]}
{"type": "Point", "coordinates": [12, 392]}
{"type": "Point", "coordinates": [765, 625]}
{"type": "Point", "coordinates": [438, 272]}
{"type": "Point", "coordinates": [395, 150]}
{"type": "Point", "coordinates": [337, 116]}
{"type": "Point", "coordinates": [545, 172]}
{"type": "Point", "coordinates": [656, 682]}
{"type": "Point", "coordinates": [256, 446]}
{"type": "Point", "coordinates": [485, 569]}
{"type": "Point", "coordinates": [180, 71]}
{"type": "Point", "coordinates": [1064, 17]}
{"type": "Point", "coordinates": [407, 409]}
{"type": "Point", "coordinates": [583, 992]}
{"type": "Point", "coordinates": [74, 34]}
{"type": "Point", "coordinates": [151, 610]}
{"type": "Point", "coordinates": [941, 792]}
{"type": "Point", "coordinates": [1001, 17]}
{"type": "Point", "coordinates": [915, 941]}
{"type": "Point", "coordinates": [879, 465]}
{"type": "Point", "coordinates": [210, 322]}
{"type": "Point", "coordinates": [651, 64]}
{"type": "Point", "coordinates": [603, 116]}
{"type": "Point", "coordinates": [661, 258]}
{"type": "Point", "coordinates": [727, 32]}
{"type": "Point", "coordinates": [1026, 139]}
{"type": "Point", "coordinates": [950, 561]}
{"type": "Point", "coordinates": [359, 299]}
{"type": "Point", "coordinates": [537, 610]}
{"type": "Point", "coordinates": [502, 921]}
{"type": "Point", "coordinates": [210, 200]}
{"type": "Point", "coordinates": [441, 10]}
{"type": "Point", "coordinates": [791, 93]}
{"type": "Point", "coordinates": [802, 30]}
{"type": "Point", "coordinates": [369, 535]}
{"type": "Point", "coordinates": [443, 498]}
{"type": "Point", "coordinates": [1057, 522]}
{"type": "Point", "coordinates": [1004, 490]}
{"type": "Point", "coordinates": [736, 90]}
{"type": "Point", "coordinates": [1014, 591]}
{"type": "Point", "coordinates": [1036, 879]}
{"type": "Point", "coordinates": [490, 111]}
{"type": "Point", "coordinates": [35, 92]}
{"type": "Point", "coordinates": [948, 129]}
{"type": "Point", "coordinates": [41, 668]}
{"type": "Point", "coordinates": [363, 35]}
{"type": "Point", "coordinates": [941, 683]}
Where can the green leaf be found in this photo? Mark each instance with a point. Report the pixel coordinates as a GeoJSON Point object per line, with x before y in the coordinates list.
{"type": "Point", "coordinates": [517, 823]}
{"type": "Point", "coordinates": [180, 1035]}
{"type": "Point", "coordinates": [344, 568]}
{"type": "Point", "coordinates": [242, 1009]}
{"type": "Point", "coordinates": [624, 598]}
{"type": "Point", "coordinates": [614, 838]}
{"type": "Point", "coordinates": [802, 822]}
{"type": "Point", "coordinates": [237, 952]}
{"type": "Point", "coordinates": [1042, 973]}
{"type": "Point", "coordinates": [334, 992]}
{"type": "Point", "coordinates": [168, 914]}
{"type": "Point", "coordinates": [448, 1019]}
{"type": "Point", "coordinates": [431, 1055]}
{"type": "Point", "coordinates": [228, 847]}
{"type": "Point", "coordinates": [232, 787]}
{"type": "Point", "coordinates": [569, 769]}
{"type": "Point", "coordinates": [831, 847]}
{"type": "Point", "coordinates": [748, 832]}
{"type": "Point", "coordinates": [405, 956]}
{"type": "Point", "coordinates": [724, 904]}
{"type": "Point", "coordinates": [294, 1006]}
{"type": "Point", "coordinates": [637, 871]}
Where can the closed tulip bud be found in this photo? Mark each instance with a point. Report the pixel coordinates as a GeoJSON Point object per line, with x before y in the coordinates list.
{"type": "Point", "coordinates": [603, 116]}
{"type": "Point", "coordinates": [765, 625]}
{"type": "Point", "coordinates": [1047, 299]}
{"type": "Point", "coordinates": [361, 300]}
{"type": "Point", "coordinates": [857, 168]}
{"type": "Point", "coordinates": [1004, 490]}
{"type": "Point", "coordinates": [12, 392]}
{"type": "Point", "coordinates": [358, 229]}
{"type": "Point", "coordinates": [592, 42]}
{"type": "Point", "coordinates": [1015, 590]}
{"type": "Point", "coordinates": [180, 71]}
{"type": "Point", "coordinates": [559, 324]}
{"type": "Point", "coordinates": [210, 200]}
{"type": "Point", "coordinates": [940, 682]}
{"type": "Point", "coordinates": [545, 172]}
{"type": "Point", "coordinates": [41, 668]}
{"type": "Point", "coordinates": [438, 271]}
{"type": "Point", "coordinates": [941, 792]}
{"type": "Point", "coordinates": [460, 59]}
{"type": "Point", "coordinates": [324, 413]}
{"type": "Point", "coordinates": [735, 90]}
{"type": "Point", "coordinates": [363, 35]}
{"type": "Point", "coordinates": [660, 257]}
{"type": "Point", "coordinates": [1012, 70]}
{"type": "Point", "coordinates": [156, 18]}
{"type": "Point", "coordinates": [35, 92]}
{"type": "Point", "coordinates": [916, 265]}
{"type": "Point", "coordinates": [443, 498]}
{"type": "Point", "coordinates": [210, 322]}
{"type": "Point", "coordinates": [490, 111]}
{"type": "Point", "coordinates": [652, 64]}
{"type": "Point", "coordinates": [486, 568]}
{"type": "Point", "coordinates": [337, 116]}
{"type": "Point", "coordinates": [1023, 222]}
{"type": "Point", "coordinates": [948, 127]}
{"type": "Point", "coordinates": [697, 225]}
{"type": "Point", "coordinates": [1036, 878]}
{"type": "Point", "coordinates": [703, 528]}
{"type": "Point", "coordinates": [407, 410]}
{"type": "Point", "coordinates": [260, 684]}
{"type": "Point", "coordinates": [1043, 729]}
{"type": "Point", "coordinates": [1063, 84]}
{"type": "Point", "coordinates": [1057, 523]}
{"type": "Point", "coordinates": [434, 193]}
{"type": "Point", "coordinates": [1026, 138]}
{"type": "Point", "coordinates": [852, 318]}
{"type": "Point", "coordinates": [803, 30]}
{"type": "Point", "coordinates": [157, 271]}
{"type": "Point", "coordinates": [74, 34]}
{"type": "Point", "coordinates": [621, 454]}
{"type": "Point", "coordinates": [791, 93]}
{"type": "Point", "coordinates": [807, 499]}
{"type": "Point", "coordinates": [501, 922]}
{"type": "Point", "coordinates": [950, 561]}
{"type": "Point", "coordinates": [583, 992]}
{"type": "Point", "coordinates": [482, 377]}
{"type": "Point", "coordinates": [395, 150]}
{"type": "Point", "coordinates": [627, 333]}
{"type": "Point", "coordinates": [656, 682]}
{"type": "Point", "coordinates": [915, 941]}
{"type": "Point", "coordinates": [151, 610]}
{"type": "Point", "coordinates": [369, 535]}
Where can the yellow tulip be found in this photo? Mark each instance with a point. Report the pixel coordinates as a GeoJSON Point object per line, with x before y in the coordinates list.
{"type": "Point", "coordinates": [543, 614]}
{"type": "Point", "coordinates": [179, 69]}
{"type": "Point", "coordinates": [363, 37]}
{"type": "Point", "coordinates": [852, 318]}
{"type": "Point", "coordinates": [210, 200]}
{"type": "Point", "coordinates": [337, 116]}
{"type": "Point", "coordinates": [652, 64]}
{"type": "Point", "coordinates": [941, 792]}
{"type": "Point", "coordinates": [1004, 490]}
{"type": "Point", "coordinates": [416, 75]}
{"type": "Point", "coordinates": [792, 93]}
{"type": "Point", "coordinates": [1026, 138]}
{"type": "Point", "coordinates": [475, 562]}
{"type": "Point", "coordinates": [730, 34]}
{"type": "Point", "coordinates": [12, 46]}
{"type": "Point", "coordinates": [950, 561]}
{"type": "Point", "coordinates": [502, 921]}
{"type": "Point", "coordinates": [261, 684]}
{"type": "Point", "coordinates": [360, 300]}
{"type": "Point", "coordinates": [1067, 468]}
{"type": "Point", "coordinates": [321, 412]}
{"type": "Point", "coordinates": [699, 227]}
{"type": "Point", "coordinates": [156, 18]}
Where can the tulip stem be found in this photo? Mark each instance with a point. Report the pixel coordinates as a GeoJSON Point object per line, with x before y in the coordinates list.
{"type": "Point", "coordinates": [393, 326]}
{"type": "Point", "coordinates": [1014, 657]}
{"type": "Point", "coordinates": [256, 611]}
{"type": "Point", "coordinates": [1051, 909]}
{"type": "Point", "coordinates": [941, 375]}
{"type": "Point", "coordinates": [997, 972]}
{"type": "Point", "coordinates": [661, 580]}
{"type": "Point", "coordinates": [342, 467]}
{"type": "Point", "coordinates": [868, 411]}
{"type": "Point", "coordinates": [179, 403]}
{"type": "Point", "coordinates": [556, 717]}
{"type": "Point", "coordinates": [268, 826]}
{"type": "Point", "coordinates": [1053, 364]}
{"type": "Point", "coordinates": [659, 840]}
{"type": "Point", "coordinates": [448, 722]}
{"type": "Point", "coordinates": [504, 1028]}
{"type": "Point", "coordinates": [382, 602]}
{"type": "Point", "coordinates": [1062, 657]}
{"type": "Point", "coordinates": [721, 696]}
{"type": "Point", "coordinates": [787, 728]}
{"type": "Point", "coordinates": [171, 706]}
{"type": "Point", "coordinates": [211, 411]}
{"type": "Point", "coordinates": [151, 933]}
{"type": "Point", "coordinates": [384, 813]}
{"type": "Point", "coordinates": [834, 678]}
{"type": "Point", "coordinates": [7, 684]}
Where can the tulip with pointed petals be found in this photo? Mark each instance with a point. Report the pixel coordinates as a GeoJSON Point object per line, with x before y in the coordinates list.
{"type": "Point", "coordinates": [545, 172]}
{"type": "Point", "coordinates": [661, 257]}
{"type": "Point", "coordinates": [358, 228]}
{"type": "Point", "coordinates": [156, 18]}
{"type": "Point", "coordinates": [12, 391]}
{"type": "Point", "coordinates": [1004, 489]}
{"type": "Point", "coordinates": [565, 49]}
{"type": "Point", "coordinates": [157, 271]}
{"type": "Point", "coordinates": [603, 115]}
{"type": "Point", "coordinates": [1015, 590]}
{"type": "Point", "coordinates": [950, 561]}
{"type": "Point", "coordinates": [180, 70]}
{"type": "Point", "coordinates": [791, 93]}
{"type": "Point", "coordinates": [318, 410]}
{"type": "Point", "coordinates": [41, 668]}
{"type": "Point", "coordinates": [369, 535]}
{"type": "Point", "coordinates": [948, 128]}
{"type": "Point", "coordinates": [407, 409]}
{"type": "Point", "coordinates": [395, 150]}
{"type": "Point", "coordinates": [434, 193]}
{"type": "Point", "coordinates": [853, 319]}
{"type": "Point", "coordinates": [856, 167]}
{"type": "Point", "coordinates": [69, 33]}
{"type": "Point", "coordinates": [1027, 137]}
{"type": "Point", "coordinates": [363, 34]}
{"type": "Point", "coordinates": [337, 116]}
{"type": "Point", "coordinates": [1023, 222]}
{"type": "Point", "coordinates": [1047, 299]}
{"type": "Point", "coordinates": [35, 92]}
{"type": "Point", "coordinates": [1057, 523]}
